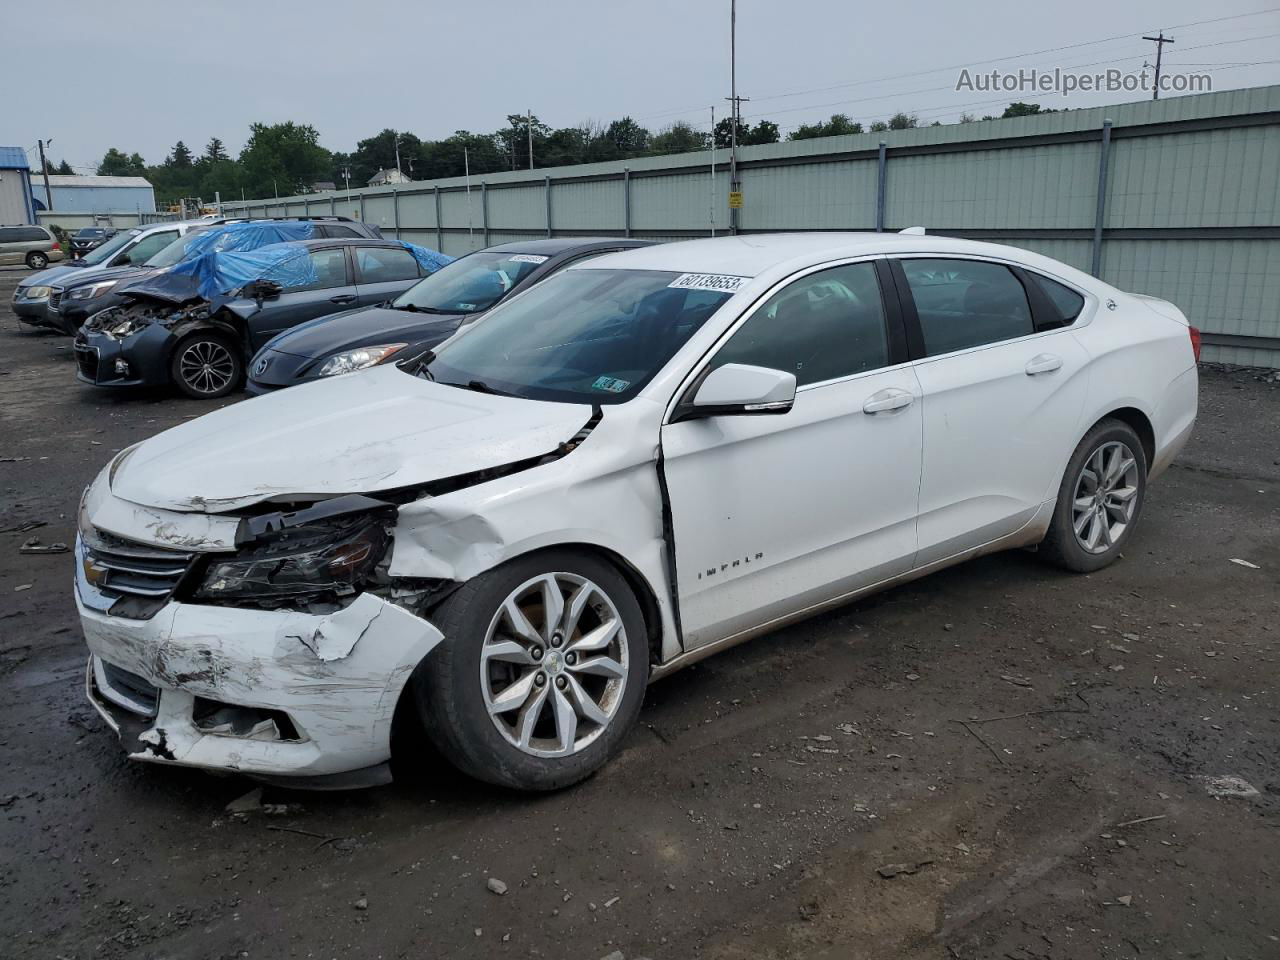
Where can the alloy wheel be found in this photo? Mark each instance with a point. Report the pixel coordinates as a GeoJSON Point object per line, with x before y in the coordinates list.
{"type": "Point", "coordinates": [553, 666]}
{"type": "Point", "coordinates": [1106, 495]}
{"type": "Point", "coordinates": [207, 366]}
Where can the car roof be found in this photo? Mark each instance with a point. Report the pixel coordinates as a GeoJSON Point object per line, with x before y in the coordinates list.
{"type": "Point", "coordinates": [553, 246]}
{"type": "Point", "coordinates": [348, 242]}
{"type": "Point", "coordinates": [750, 255]}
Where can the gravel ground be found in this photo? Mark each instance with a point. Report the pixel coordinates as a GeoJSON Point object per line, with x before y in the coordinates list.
{"type": "Point", "coordinates": [1030, 748]}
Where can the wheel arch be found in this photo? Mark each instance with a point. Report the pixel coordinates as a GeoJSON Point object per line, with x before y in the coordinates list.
{"type": "Point", "coordinates": [1139, 422]}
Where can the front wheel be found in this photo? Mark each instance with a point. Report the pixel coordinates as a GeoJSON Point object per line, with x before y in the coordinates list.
{"type": "Point", "coordinates": [206, 366]}
{"type": "Point", "coordinates": [1100, 499]}
{"type": "Point", "coordinates": [37, 260]}
{"type": "Point", "coordinates": [541, 673]}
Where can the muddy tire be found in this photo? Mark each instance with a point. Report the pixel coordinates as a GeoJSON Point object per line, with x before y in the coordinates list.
{"type": "Point", "coordinates": [37, 260]}
{"type": "Point", "coordinates": [518, 698]}
{"type": "Point", "coordinates": [205, 366]}
{"type": "Point", "coordinates": [1100, 500]}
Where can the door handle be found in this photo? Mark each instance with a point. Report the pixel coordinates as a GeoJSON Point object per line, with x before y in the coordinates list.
{"type": "Point", "coordinates": [343, 298]}
{"type": "Point", "coordinates": [883, 401]}
{"type": "Point", "coordinates": [1043, 363]}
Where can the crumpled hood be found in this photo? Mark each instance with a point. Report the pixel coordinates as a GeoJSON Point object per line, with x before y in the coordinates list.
{"type": "Point", "coordinates": [374, 430]}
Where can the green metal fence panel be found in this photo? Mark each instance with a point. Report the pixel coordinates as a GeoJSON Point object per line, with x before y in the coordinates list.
{"type": "Point", "coordinates": [1190, 210]}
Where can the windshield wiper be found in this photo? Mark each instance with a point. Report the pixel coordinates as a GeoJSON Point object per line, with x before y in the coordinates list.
{"type": "Point", "coordinates": [414, 308]}
{"type": "Point", "coordinates": [479, 386]}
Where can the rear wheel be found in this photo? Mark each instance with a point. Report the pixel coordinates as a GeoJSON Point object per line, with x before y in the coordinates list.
{"type": "Point", "coordinates": [1100, 499]}
{"type": "Point", "coordinates": [206, 366]}
{"type": "Point", "coordinates": [541, 673]}
{"type": "Point", "coordinates": [37, 260]}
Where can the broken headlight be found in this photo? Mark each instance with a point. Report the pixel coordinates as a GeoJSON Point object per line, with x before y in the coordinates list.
{"type": "Point", "coordinates": [353, 360]}
{"type": "Point", "coordinates": [329, 559]}
{"type": "Point", "coordinates": [91, 291]}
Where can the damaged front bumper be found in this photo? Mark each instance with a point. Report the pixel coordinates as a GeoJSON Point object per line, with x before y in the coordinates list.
{"type": "Point", "coordinates": [274, 694]}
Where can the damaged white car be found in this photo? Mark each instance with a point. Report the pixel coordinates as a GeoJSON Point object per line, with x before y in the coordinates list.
{"type": "Point", "coordinates": [638, 462]}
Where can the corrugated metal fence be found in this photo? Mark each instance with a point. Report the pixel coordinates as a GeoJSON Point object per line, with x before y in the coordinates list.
{"type": "Point", "coordinates": [1188, 210]}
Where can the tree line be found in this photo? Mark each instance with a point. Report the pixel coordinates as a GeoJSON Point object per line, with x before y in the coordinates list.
{"type": "Point", "coordinates": [285, 159]}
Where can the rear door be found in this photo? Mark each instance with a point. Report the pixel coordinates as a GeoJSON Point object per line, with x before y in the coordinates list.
{"type": "Point", "coordinates": [383, 273]}
{"type": "Point", "coordinates": [1004, 385]}
{"type": "Point", "coordinates": [11, 245]}
{"type": "Point", "coordinates": [332, 291]}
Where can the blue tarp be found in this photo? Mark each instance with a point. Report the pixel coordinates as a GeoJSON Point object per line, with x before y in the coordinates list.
{"type": "Point", "coordinates": [217, 272]}
{"type": "Point", "coordinates": [246, 236]}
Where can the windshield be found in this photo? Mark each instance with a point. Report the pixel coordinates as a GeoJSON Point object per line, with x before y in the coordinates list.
{"type": "Point", "coordinates": [88, 232]}
{"type": "Point", "coordinates": [583, 336]}
{"type": "Point", "coordinates": [176, 251]}
{"type": "Point", "coordinates": [112, 246]}
{"type": "Point", "coordinates": [470, 284]}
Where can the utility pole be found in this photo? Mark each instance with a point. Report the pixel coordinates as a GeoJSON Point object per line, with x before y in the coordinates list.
{"type": "Point", "coordinates": [44, 169]}
{"type": "Point", "coordinates": [1159, 40]}
{"type": "Point", "coordinates": [735, 188]}
{"type": "Point", "coordinates": [398, 170]}
{"type": "Point", "coordinates": [529, 128]}
{"type": "Point", "coordinates": [713, 169]}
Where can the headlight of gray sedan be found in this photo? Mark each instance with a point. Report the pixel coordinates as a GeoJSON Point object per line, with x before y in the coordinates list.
{"type": "Point", "coordinates": [90, 291]}
{"type": "Point", "coordinates": [351, 360]}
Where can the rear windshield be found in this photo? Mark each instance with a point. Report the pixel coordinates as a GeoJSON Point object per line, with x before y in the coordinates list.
{"type": "Point", "coordinates": [582, 336]}
{"type": "Point", "coordinates": [111, 247]}
{"type": "Point", "coordinates": [470, 284]}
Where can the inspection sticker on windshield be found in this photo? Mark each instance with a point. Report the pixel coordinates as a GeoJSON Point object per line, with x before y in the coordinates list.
{"type": "Point", "coordinates": [611, 384]}
{"type": "Point", "coordinates": [720, 282]}
{"type": "Point", "coordinates": [527, 258]}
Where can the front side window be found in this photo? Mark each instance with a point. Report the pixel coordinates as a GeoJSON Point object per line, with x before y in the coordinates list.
{"type": "Point", "coordinates": [470, 284]}
{"type": "Point", "coordinates": [827, 325]}
{"type": "Point", "coordinates": [148, 247]}
{"type": "Point", "coordinates": [583, 336]}
{"type": "Point", "coordinates": [336, 230]}
{"type": "Point", "coordinates": [330, 267]}
{"type": "Point", "coordinates": [966, 303]}
{"type": "Point", "coordinates": [111, 247]}
{"type": "Point", "coordinates": [385, 264]}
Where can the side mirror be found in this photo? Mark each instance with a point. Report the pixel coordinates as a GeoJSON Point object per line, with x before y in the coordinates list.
{"type": "Point", "coordinates": [738, 389]}
{"type": "Point", "coordinates": [260, 290]}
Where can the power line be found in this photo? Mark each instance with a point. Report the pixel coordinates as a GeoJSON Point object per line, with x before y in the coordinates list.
{"type": "Point", "coordinates": [972, 63]}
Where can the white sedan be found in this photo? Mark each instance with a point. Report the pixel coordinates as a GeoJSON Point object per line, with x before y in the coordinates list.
{"type": "Point", "coordinates": [645, 459]}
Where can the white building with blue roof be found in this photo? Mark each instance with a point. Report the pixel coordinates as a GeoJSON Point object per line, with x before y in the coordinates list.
{"type": "Point", "coordinates": [16, 205]}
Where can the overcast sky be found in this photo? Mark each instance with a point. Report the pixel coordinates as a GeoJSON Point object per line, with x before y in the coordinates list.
{"type": "Point", "coordinates": [157, 71]}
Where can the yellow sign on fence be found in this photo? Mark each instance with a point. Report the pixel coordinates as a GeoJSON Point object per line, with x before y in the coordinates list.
{"type": "Point", "coordinates": [735, 199]}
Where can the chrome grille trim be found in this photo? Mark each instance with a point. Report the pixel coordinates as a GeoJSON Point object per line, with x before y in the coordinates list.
{"type": "Point", "coordinates": [116, 566]}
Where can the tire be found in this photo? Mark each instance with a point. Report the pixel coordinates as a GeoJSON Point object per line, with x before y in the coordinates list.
{"type": "Point", "coordinates": [37, 260]}
{"type": "Point", "coordinates": [458, 685]}
{"type": "Point", "coordinates": [1085, 537]}
{"type": "Point", "coordinates": [206, 366]}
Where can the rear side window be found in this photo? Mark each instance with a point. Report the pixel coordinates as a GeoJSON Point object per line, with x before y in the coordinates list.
{"type": "Point", "coordinates": [335, 230]}
{"type": "Point", "coordinates": [1066, 301]}
{"type": "Point", "coordinates": [966, 303]}
{"type": "Point", "coordinates": [23, 235]}
{"type": "Point", "coordinates": [827, 325]}
{"type": "Point", "coordinates": [385, 264]}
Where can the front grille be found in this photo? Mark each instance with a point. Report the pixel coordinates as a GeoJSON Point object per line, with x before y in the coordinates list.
{"type": "Point", "coordinates": [127, 689]}
{"type": "Point", "coordinates": [121, 568]}
{"type": "Point", "coordinates": [55, 297]}
{"type": "Point", "coordinates": [86, 358]}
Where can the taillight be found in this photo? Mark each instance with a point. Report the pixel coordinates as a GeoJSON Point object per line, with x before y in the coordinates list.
{"type": "Point", "coordinates": [55, 246]}
{"type": "Point", "coordinates": [1195, 341]}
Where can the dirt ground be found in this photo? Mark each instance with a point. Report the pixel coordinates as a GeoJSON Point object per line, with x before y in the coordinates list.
{"type": "Point", "coordinates": [1031, 746]}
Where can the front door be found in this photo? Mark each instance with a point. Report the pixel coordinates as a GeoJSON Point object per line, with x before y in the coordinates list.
{"type": "Point", "coordinates": [773, 514]}
{"type": "Point", "coordinates": [1003, 399]}
{"type": "Point", "coordinates": [331, 291]}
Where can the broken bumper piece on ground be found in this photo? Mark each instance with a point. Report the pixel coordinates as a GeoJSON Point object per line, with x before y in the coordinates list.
{"type": "Point", "coordinates": [279, 695]}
